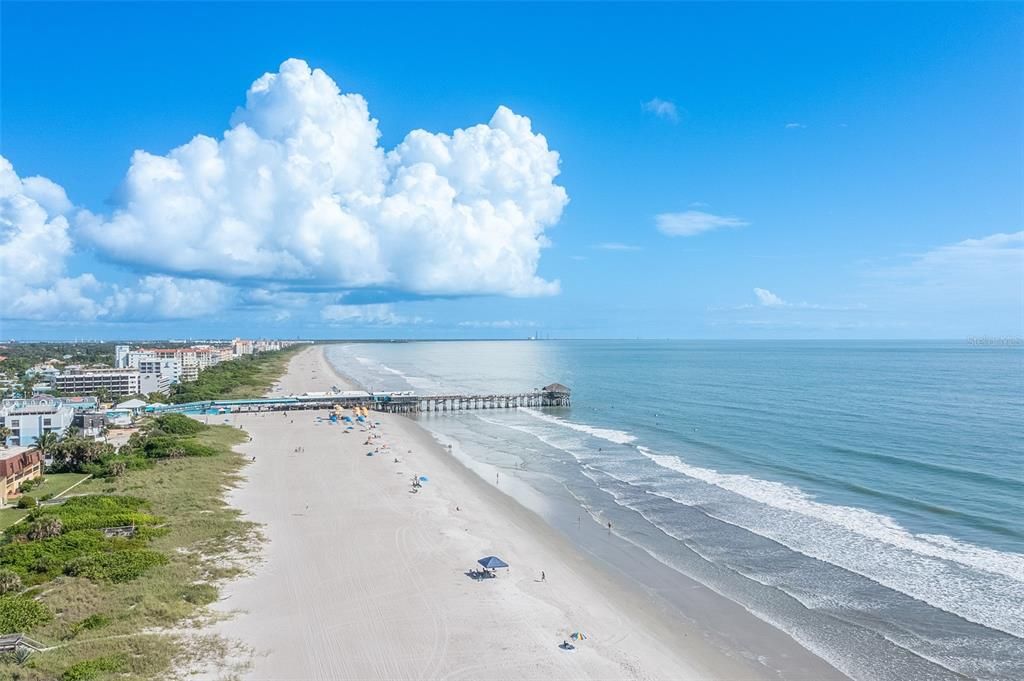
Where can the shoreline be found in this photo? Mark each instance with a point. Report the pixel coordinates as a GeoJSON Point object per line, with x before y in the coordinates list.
{"type": "Point", "coordinates": [354, 509]}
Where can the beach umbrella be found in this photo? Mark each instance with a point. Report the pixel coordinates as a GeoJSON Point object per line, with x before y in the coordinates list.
{"type": "Point", "coordinates": [492, 562]}
{"type": "Point", "coordinates": [578, 636]}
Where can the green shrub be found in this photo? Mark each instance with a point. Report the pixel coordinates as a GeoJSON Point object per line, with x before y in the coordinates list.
{"type": "Point", "coordinates": [28, 485]}
{"type": "Point", "coordinates": [21, 613]}
{"type": "Point", "coordinates": [118, 566]}
{"type": "Point", "coordinates": [27, 502]}
{"type": "Point", "coordinates": [178, 424]}
{"type": "Point", "coordinates": [38, 561]}
{"type": "Point", "coordinates": [10, 582]}
{"type": "Point", "coordinates": [87, 670]}
{"type": "Point", "coordinates": [199, 594]}
{"type": "Point", "coordinates": [97, 510]}
{"type": "Point", "coordinates": [91, 622]}
{"type": "Point", "coordinates": [170, 447]}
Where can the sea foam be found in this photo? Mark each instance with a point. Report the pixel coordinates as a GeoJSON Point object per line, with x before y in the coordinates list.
{"type": "Point", "coordinates": [973, 582]}
{"type": "Point", "coordinates": [619, 437]}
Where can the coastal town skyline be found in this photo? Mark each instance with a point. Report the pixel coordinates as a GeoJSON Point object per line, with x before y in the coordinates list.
{"type": "Point", "coordinates": [315, 188]}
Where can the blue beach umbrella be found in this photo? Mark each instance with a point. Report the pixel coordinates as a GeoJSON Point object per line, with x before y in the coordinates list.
{"type": "Point", "coordinates": [492, 562]}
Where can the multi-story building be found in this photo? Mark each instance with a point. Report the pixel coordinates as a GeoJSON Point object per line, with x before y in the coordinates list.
{"type": "Point", "coordinates": [169, 368]}
{"type": "Point", "coordinates": [154, 383]}
{"type": "Point", "coordinates": [121, 353]}
{"type": "Point", "coordinates": [90, 423]}
{"type": "Point", "coordinates": [88, 381]}
{"type": "Point", "coordinates": [16, 468]}
{"type": "Point", "coordinates": [30, 418]}
{"type": "Point", "coordinates": [241, 347]}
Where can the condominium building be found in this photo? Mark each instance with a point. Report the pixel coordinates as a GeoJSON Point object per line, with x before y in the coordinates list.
{"type": "Point", "coordinates": [16, 468]}
{"type": "Point", "coordinates": [121, 353]}
{"type": "Point", "coordinates": [188, 361]}
{"type": "Point", "coordinates": [30, 418]}
{"type": "Point", "coordinates": [154, 383]}
{"type": "Point", "coordinates": [88, 381]}
{"type": "Point", "coordinates": [162, 366]}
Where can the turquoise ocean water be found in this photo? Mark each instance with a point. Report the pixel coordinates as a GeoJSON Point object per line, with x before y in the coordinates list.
{"type": "Point", "coordinates": [865, 497]}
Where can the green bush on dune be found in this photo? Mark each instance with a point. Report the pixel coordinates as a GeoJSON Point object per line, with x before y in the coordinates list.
{"type": "Point", "coordinates": [87, 670]}
{"type": "Point", "coordinates": [177, 424]}
{"type": "Point", "coordinates": [116, 566]}
{"type": "Point", "coordinates": [21, 613]}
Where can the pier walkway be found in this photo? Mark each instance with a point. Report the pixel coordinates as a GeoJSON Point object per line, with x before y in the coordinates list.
{"type": "Point", "coordinates": [554, 395]}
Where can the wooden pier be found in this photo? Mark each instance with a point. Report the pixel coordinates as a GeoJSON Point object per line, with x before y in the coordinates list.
{"type": "Point", "coordinates": [554, 395]}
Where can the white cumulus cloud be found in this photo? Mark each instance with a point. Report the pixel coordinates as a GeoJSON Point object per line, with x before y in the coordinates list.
{"type": "Point", "coordinates": [298, 191]}
{"type": "Point", "coordinates": [35, 247]}
{"type": "Point", "coordinates": [769, 299]}
{"type": "Point", "coordinates": [693, 222]}
{"type": "Point", "coordinates": [163, 297]}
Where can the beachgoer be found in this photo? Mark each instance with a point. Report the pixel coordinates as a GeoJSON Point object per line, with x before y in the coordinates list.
{"type": "Point", "coordinates": [609, 528]}
{"type": "Point", "coordinates": [254, 458]}
{"type": "Point", "coordinates": [543, 577]}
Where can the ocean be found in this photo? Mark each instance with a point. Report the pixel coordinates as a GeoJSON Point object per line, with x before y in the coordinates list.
{"type": "Point", "coordinates": [865, 497]}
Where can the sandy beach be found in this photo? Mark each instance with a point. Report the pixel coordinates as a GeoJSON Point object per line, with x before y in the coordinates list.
{"type": "Point", "coordinates": [362, 579]}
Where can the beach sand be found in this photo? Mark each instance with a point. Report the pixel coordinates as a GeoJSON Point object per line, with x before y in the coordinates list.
{"type": "Point", "coordinates": [362, 579]}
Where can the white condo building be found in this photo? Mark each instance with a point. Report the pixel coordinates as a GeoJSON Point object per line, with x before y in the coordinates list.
{"type": "Point", "coordinates": [88, 381]}
{"type": "Point", "coordinates": [30, 418]}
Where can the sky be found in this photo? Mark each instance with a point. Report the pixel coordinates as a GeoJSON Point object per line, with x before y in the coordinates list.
{"type": "Point", "coordinates": [502, 170]}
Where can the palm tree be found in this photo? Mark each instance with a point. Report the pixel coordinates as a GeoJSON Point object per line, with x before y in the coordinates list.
{"type": "Point", "coordinates": [5, 433]}
{"type": "Point", "coordinates": [28, 383]}
{"type": "Point", "coordinates": [46, 441]}
{"type": "Point", "coordinates": [43, 529]}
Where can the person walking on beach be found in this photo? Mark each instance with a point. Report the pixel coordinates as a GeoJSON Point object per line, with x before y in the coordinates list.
{"type": "Point", "coordinates": [496, 476]}
{"type": "Point", "coordinates": [543, 577]}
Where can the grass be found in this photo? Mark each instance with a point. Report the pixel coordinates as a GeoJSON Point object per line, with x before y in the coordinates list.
{"type": "Point", "coordinates": [55, 484]}
{"type": "Point", "coordinates": [187, 495]}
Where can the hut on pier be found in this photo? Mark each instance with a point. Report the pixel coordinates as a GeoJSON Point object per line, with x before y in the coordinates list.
{"type": "Point", "coordinates": [556, 395]}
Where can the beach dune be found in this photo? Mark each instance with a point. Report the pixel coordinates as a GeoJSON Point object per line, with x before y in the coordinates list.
{"type": "Point", "coordinates": [360, 578]}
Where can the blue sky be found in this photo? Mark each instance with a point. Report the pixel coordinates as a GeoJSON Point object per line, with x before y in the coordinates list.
{"type": "Point", "coordinates": [851, 171]}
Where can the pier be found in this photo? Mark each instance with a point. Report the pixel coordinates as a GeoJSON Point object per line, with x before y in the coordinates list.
{"type": "Point", "coordinates": [554, 395]}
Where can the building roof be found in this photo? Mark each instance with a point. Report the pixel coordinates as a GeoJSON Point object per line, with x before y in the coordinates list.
{"type": "Point", "coordinates": [556, 388]}
{"type": "Point", "coordinates": [15, 462]}
{"type": "Point", "coordinates": [131, 404]}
